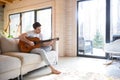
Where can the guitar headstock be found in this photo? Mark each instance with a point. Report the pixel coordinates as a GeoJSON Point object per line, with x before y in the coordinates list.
{"type": "Point", "coordinates": [57, 38]}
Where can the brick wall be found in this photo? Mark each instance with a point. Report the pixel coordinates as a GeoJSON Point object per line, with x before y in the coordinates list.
{"type": "Point", "coordinates": [70, 31]}
{"type": "Point", "coordinates": [1, 17]}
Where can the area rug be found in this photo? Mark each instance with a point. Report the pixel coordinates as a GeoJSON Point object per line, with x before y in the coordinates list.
{"type": "Point", "coordinates": [73, 75]}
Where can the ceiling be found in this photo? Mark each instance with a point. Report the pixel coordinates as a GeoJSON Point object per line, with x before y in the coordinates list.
{"type": "Point", "coordinates": [3, 2]}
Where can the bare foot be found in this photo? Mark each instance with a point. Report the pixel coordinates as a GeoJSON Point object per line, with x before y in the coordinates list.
{"type": "Point", "coordinates": [109, 62]}
{"type": "Point", "coordinates": [55, 71]}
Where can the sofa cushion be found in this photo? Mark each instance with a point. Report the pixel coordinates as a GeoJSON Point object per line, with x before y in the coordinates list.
{"type": "Point", "coordinates": [0, 45]}
{"type": "Point", "coordinates": [0, 51]}
{"type": "Point", "coordinates": [8, 63]}
{"type": "Point", "coordinates": [9, 44]}
{"type": "Point", "coordinates": [26, 58]}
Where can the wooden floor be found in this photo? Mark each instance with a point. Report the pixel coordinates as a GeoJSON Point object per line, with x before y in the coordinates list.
{"type": "Point", "coordinates": [82, 64]}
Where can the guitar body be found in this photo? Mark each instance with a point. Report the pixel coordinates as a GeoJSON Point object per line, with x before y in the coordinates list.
{"type": "Point", "coordinates": [24, 47]}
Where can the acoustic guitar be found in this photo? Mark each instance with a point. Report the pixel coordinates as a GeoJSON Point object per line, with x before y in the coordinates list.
{"type": "Point", "coordinates": [25, 47]}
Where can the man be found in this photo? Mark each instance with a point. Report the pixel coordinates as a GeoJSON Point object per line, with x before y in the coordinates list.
{"type": "Point", "coordinates": [45, 45]}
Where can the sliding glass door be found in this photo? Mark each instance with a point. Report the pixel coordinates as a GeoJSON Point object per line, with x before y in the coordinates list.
{"type": "Point", "coordinates": [91, 27]}
{"type": "Point", "coordinates": [115, 19]}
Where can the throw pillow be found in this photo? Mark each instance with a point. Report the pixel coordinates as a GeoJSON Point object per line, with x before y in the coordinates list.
{"type": "Point", "coordinates": [9, 45]}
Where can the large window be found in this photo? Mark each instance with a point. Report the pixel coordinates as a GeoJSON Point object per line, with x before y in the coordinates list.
{"type": "Point", "coordinates": [44, 17]}
{"type": "Point", "coordinates": [14, 25]}
{"type": "Point", "coordinates": [22, 22]}
{"type": "Point", "coordinates": [27, 21]}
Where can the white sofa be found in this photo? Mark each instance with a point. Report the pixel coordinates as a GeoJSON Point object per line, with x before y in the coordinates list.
{"type": "Point", "coordinates": [9, 67]}
{"type": "Point", "coordinates": [27, 61]}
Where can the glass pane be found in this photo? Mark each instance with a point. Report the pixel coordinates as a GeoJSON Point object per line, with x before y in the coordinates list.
{"type": "Point", "coordinates": [44, 17]}
{"type": "Point", "coordinates": [91, 25]}
{"type": "Point", "coordinates": [27, 21]}
{"type": "Point", "coordinates": [115, 18]}
{"type": "Point", "coordinates": [14, 25]}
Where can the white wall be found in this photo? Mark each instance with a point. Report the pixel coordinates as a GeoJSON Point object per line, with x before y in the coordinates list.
{"type": "Point", "coordinates": [64, 20]}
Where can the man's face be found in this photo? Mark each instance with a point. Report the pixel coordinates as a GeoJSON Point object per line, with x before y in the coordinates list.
{"type": "Point", "coordinates": [38, 30]}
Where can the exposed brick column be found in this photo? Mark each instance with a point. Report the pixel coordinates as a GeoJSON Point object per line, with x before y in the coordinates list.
{"type": "Point", "coordinates": [1, 17]}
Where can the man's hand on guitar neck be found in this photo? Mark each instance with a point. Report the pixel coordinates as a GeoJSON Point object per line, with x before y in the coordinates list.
{"type": "Point", "coordinates": [52, 41]}
{"type": "Point", "coordinates": [49, 43]}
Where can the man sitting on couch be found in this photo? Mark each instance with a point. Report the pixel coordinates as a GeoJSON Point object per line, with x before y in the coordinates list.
{"type": "Point", "coordinates": [45, 46]}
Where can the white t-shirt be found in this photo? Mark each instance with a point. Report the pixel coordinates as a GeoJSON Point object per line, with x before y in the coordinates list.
{"type": "Point", "coordinates": [33, 34]}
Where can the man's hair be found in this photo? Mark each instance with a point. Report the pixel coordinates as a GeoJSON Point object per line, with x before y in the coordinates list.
{"type": "Point", "coordinates": [36, 24]}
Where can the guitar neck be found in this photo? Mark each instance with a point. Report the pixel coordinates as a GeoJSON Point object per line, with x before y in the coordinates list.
{"type": "Point", "coordinates": [49, 40]}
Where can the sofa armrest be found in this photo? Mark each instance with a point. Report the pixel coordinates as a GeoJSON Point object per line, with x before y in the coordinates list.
{"type": "Point", "coordinates": [55, 49]}
{"type": "Point", "coordinates": [55, 46]}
